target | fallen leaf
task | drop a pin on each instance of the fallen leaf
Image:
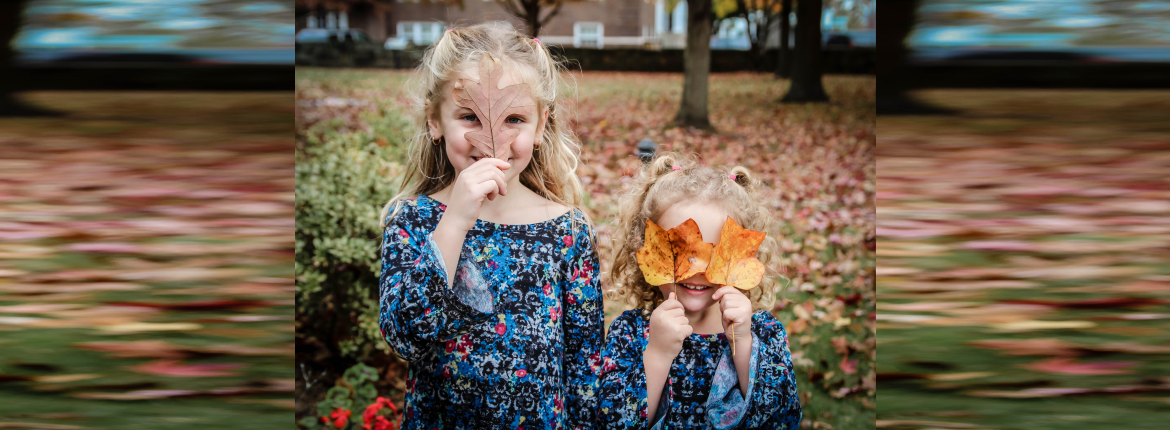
(142, 327)
(1068, 366)
(177, 368)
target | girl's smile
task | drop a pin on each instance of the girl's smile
(695, 292)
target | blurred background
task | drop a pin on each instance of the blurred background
(1023, 214)
(146, 217)
(801, 118)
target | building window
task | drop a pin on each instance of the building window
(420, 33)
(588, 35)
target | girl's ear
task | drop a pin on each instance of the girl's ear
(432, 125)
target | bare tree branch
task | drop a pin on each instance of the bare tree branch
(551, 14)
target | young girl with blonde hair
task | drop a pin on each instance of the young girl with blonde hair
(668, 363)
(489, 284)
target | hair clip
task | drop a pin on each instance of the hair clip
(731, 176)
(536, 40)
(675, 168)
(448, 31)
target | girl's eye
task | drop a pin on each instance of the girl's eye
(518, 120)
(469, 117)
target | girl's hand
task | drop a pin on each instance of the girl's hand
(668, 328)
(483, 179)
(737, 312)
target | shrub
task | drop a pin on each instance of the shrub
(343, 177)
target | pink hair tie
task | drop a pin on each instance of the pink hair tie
(731, 176)
(448, 31)
(535, 40)
(675, 168)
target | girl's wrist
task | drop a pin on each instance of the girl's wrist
(455, 222)
(654, 356)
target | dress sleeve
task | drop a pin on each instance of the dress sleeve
(418, 309)
(583, 329)
(623, 376)
(772, 401)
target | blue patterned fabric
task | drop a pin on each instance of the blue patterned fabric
(514, 343)
(702, 390)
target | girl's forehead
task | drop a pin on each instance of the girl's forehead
(511, 75)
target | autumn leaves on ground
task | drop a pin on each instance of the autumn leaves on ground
(816, 160)
(146, 262)
(1022, 257)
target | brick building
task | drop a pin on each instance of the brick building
(589, 23)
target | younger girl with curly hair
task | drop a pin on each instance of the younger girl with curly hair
(668, 362)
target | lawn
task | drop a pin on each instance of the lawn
(146, 262)
(1022, 249)
(816, 160)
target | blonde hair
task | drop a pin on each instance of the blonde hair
(656, 188)
(552, 171)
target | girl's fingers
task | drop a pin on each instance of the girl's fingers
(723, 291)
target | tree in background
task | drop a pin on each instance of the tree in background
(11, 12)
(696, 64)
(806, 71)
(529, 11)
(761, 17)
(784, 55)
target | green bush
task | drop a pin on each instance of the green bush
(343, 178)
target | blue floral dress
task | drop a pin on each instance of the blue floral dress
(702, 390)
(514, 343)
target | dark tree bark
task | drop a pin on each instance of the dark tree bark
(697, 66)
(893, 74)
(806, 72)
(10, 106)
(784, 55)
(529, 12)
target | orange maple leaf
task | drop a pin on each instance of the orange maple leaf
(656, 258)
(691, 253)
(734, 261)
(493, 105)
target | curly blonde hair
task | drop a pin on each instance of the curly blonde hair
(656, 188)
(551, 173)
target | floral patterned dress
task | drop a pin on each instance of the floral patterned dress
(514, 343)
(702, 390)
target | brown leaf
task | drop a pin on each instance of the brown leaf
(493, 105)
(177, 368)
(1068, 366)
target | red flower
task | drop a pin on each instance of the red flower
(568, 240)
(403, 233)
(547, 289)
(427, 312)
(447, 372)
(521, 373)
(572, 299)
(378, 422)
(554, 312)
(340, 417)
(501, 328)
(450, 345)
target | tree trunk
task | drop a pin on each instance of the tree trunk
(697, 66)
(784, 55)
(806, 73)
(533, 10)
(892, 71)
(10, 20)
